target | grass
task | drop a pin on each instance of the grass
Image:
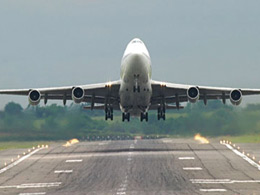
(21, 144)
(243, 138)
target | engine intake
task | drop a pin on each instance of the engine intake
(193, 94)
(34, 97)
(78, 94)
(235, 97)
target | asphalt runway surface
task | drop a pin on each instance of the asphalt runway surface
(137, 167)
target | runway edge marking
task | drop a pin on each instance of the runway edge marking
(250, 161)
(19, 160)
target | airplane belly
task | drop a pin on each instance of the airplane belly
(135, 102)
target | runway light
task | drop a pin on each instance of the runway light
(234, 145)
(230, 143)
(238, 147)
(201, 139)
(224, 141)
(42, 146)
(12, 160)
(244, 152)
(33, 148)
(18, 156)
(248, 154)
(253, 157)
(46, 146)
(6, 163)
(29, 150)
(24, 153)
(38, 146)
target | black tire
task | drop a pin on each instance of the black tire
(123, 117)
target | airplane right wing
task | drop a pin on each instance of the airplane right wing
(168, 93)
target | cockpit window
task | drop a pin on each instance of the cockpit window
(137, 41)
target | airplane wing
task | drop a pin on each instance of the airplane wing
(168, 93)
(101, 93)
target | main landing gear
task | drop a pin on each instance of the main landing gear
(144, 116)
(125, 116)
(161, 113)
(109, 113)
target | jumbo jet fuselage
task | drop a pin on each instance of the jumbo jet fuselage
(135, 89)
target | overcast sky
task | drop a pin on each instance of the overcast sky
(48, 43)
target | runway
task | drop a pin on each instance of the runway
(136, 167)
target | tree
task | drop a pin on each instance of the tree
(13, 108)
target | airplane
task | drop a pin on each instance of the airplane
(135, 93)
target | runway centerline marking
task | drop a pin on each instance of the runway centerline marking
(36, 193)
(186, 158)
(250, 161)
(19, 161)
(63, 171)
(74, 160)
(213, 190)
(192, 168)
(120, 193)
(221, 181)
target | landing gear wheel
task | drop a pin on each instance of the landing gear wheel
(144, 116)
(125, 116)
(161, 113)
(109, 113)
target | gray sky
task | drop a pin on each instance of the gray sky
(48, 43)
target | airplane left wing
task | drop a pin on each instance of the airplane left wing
(164, 93)
(103, 93)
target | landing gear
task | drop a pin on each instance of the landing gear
(136, 89)
(161, 113)
(144, 116)
(109, 113)
(125, 116)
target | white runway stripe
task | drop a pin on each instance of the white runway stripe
(250, 161)
(63, 171)
(74, 160)
(19, 160)
(192, 168)
(36, 193)
(33, 185)
(213, 190)
(222, 181)
(186, 158)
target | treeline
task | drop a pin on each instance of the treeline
(56, 122)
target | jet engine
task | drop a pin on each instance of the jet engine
(193, 94)
(235, 97)
(78, 94)
(34, 97)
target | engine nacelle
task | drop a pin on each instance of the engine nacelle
(235, 97)
(78, 94)
(34, 97)
(193, 94)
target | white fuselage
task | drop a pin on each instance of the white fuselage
(135, 90)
